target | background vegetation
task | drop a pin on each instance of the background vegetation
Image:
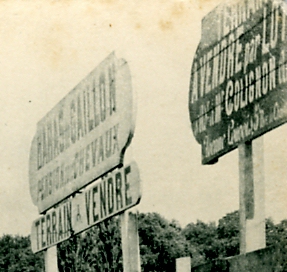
(161, 242)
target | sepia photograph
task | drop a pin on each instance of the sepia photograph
(143, 135)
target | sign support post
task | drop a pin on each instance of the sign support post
(51, 261)
(82, 140)
(251, 196)
(130, 242)
(237, 94)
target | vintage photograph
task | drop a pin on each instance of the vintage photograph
(143, 135)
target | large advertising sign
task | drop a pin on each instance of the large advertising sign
(238, 87)
(114, 193)
(84, 136)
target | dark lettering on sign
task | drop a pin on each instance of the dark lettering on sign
(87, 201)
(103, 199)
(43, 242)
(37, 224)
(95, 214)
(48, 228)
(84, 160)
(60, 230)
(93, 105)
(128, 198)
(53, 227)
(83, 137)
(119, 197)
(110, 195)
(239, 75)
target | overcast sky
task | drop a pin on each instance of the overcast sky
(47, 47)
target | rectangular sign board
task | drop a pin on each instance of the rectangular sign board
(84, 136)
(238, 87)
(110, 195)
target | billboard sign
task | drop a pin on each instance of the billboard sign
(84, 136)
(116, 192)
(238, 86)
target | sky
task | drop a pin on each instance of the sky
(48, 47)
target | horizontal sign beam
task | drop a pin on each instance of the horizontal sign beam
(113, 194)
(84, 136)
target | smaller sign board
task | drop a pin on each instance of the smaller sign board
(84, 136)
(110, 195)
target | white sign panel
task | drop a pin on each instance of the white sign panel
(114, 193)
(84, 136)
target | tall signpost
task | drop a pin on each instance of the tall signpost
(251, 196)
(77, 175)
(238, 92)
(130, 242)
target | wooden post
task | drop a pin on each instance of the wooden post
(130, 242)
(251, 196)
(51, 261)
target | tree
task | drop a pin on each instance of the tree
(16, 255)
(208, 241)
(161, 243)
(228, 234)
(97, 249)
(276, 236)
(203, 242)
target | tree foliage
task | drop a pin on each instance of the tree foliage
(97, 249)
(276, 235)
(228, 234)
(16, 255)
(208, 241)
(201, 237)
(161, 242)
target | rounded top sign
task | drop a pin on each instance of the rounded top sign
(84, 136)
(238, 86)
